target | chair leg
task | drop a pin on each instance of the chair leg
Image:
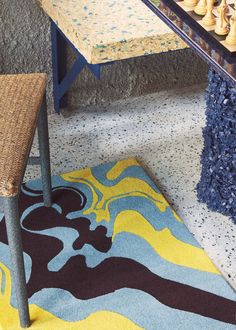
(12, 219)
(45, 154)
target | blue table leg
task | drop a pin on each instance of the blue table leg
(62, 79)
(58, 64)
(217, 186)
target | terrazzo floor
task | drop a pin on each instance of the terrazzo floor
(163, 131)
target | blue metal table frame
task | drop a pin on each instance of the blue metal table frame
(62, 79)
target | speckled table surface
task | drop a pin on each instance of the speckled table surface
(110, 30)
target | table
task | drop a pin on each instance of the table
(217, 186)
(98, 36)
(94, 30)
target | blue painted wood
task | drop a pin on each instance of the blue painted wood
(96, 70)
(77, 67)
(62, 80)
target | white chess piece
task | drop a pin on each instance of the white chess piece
(190, 3)
(231, 38)
(201, 8)
(222, 22)
(223, 3)
(209, 18)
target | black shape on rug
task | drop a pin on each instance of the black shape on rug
(112, 274)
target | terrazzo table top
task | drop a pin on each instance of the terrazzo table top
(110, 30)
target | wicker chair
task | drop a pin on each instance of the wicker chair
(22, 108)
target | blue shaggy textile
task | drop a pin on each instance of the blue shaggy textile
(217, 186)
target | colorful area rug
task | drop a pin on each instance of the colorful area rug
(112, 254)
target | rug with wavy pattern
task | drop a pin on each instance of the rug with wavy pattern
(112, 254)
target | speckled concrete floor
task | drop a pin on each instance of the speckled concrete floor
(164, 132)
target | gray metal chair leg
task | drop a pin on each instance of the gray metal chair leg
(45, 154)
(11, 212)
